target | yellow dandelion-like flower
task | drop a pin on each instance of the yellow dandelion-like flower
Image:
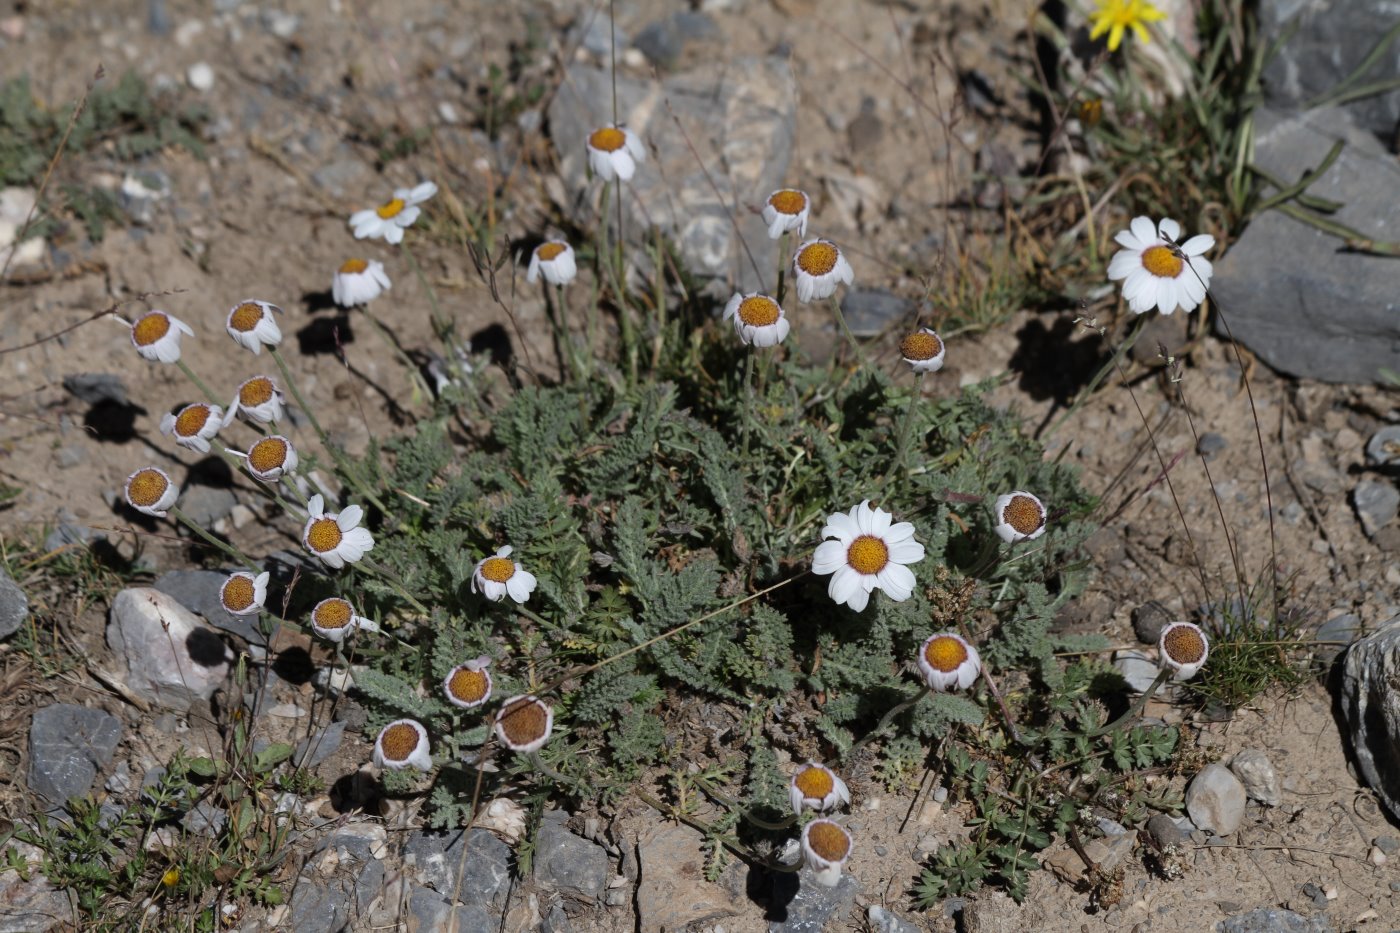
(170, 878)
(1116, 16)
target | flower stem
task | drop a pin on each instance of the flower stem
(414, 376)
(885, 721)
(441, 325)
(782, 266)
(846, 329)
(199, 383)
(233, 552)
(906, 431)
(629, 336)
(1137, 706)
(749, 403)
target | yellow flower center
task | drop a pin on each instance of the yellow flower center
(814, 783)
(1184, 645)
(788, 201)
(524, 721)
(150, 328)
(818, 258)
(332, 614)
(550, 251)
(269, 454)
(498, 569)
(391, 209)
(245, 317)
(256, 391)
(828, 840)
(1023, 514)
(945, 653)
(468, 685)
(759, 311)
(398, 741)
(608, 139)
(238, 593)
(171, 877)
(324, 535)
(868, 554)
(192, 420)
(353, 266)
(1162, 262)
(146, 487)
(920, 345)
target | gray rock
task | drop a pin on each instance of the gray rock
(1166, 831)
(671, 894)
(170, 656)
(198, 591)
(591, 34)
(120, 780)
(887, 921)
(93, 388)
(142, 192)
(338, 883)
(1331, 39)
(1334, 636)
(1383, 449)
(567, 863)
(344, 175)
(67, 746)
(869, 311)
(14, 606)
(280, 23)
(205, 505)
(428, 912)
(816, 907)
(1372, 706)
(664, 41)
(70, 534)
(1336, 320)
(435, 858)
(313, 750)
(1387, 844)
(1137, 669)
(740, 116)
(1376, 503)
(1211, 444)
(1215, 800)
(33, 904)
(205, 819)
(1148, 621)
(1274, 920)
(1258, 776)
(557, 921)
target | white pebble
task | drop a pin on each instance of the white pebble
(1331, 891)
(1376, 857)
(200, 76)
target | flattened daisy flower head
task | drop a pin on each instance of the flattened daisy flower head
(252, 324)
(149, 490)
(758, 319)
(948, 662)
(335, 538)
(553, 259)
(867, 552)
(259, 399)
(334, 619)
(390, 219)
(817, 787)
(1156, 272)
(1183, 649)
(194, 426)
(786, 209)
(923, 350)
(499, 576)
(270, 458)
(1020, 516)
(244, 594)
(524, 723)
(469, 685)
(615, 152)
(403, 743)
(818, 267)
(826, 847)
(358, 282)
(156, 336)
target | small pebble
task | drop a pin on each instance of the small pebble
(1387, 844)
(1331, 891)
(1376, 857)
(200, 76)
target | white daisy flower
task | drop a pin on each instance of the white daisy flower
(868, 552)
(335, 538)
(259, 399)
(615, 152)
(1184, 649)
(334, 619)
(403, 743)
(524, 723)
(786, 209)
(251, 323)
(494, 577)
(1156, 271)
(270, 458)
(194, 426)
(948, 662)
(1020, 517)
(244, 594)
(923, 350)
(826, 847)
(818, 266)
(358, 282)
(149, 490)
(817, 787)
(469, 684)
(553, 259)
(758, 320)
(156, 336)
(389, 220)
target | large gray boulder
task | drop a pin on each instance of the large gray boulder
(1290, 292)
(171, 657)
(1372, 705)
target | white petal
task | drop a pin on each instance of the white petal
(1169, 229)
(845, 583)
(1144, 229)
(1126, 240)
(829, 556)
(879, 522)
(907, 552)
(897, 580)
(842, 526)
(393, 234)
(359, 538)
(859, 599)
(349, 517)
(864, 518)
(316, 506)
(898, 532)
(422, 192)
(1122, 263)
